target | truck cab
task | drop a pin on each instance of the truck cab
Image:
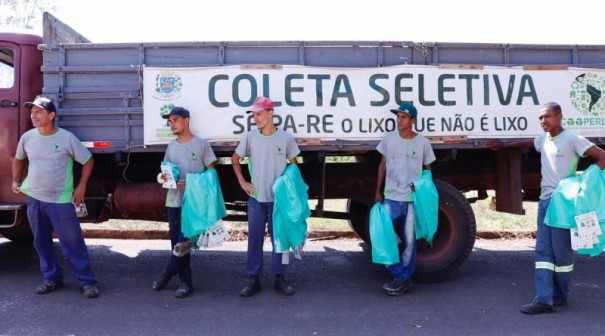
(20, 81)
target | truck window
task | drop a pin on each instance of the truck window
(7, 68)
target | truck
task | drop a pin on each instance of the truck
(334, 96)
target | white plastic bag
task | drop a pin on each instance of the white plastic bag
(214, 236)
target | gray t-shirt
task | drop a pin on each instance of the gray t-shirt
(51, 158)
(268, 157)
(190, 157)
(559, 157)
(405, 158)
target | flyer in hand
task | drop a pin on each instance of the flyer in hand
(586, 234)
(171, 175)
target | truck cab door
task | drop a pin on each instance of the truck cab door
(10, 54)
(9, 91)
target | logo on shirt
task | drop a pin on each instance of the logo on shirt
(56, 148)
(586, 94)
(552, 150)
(279, 151)
(194, 156)
(412, 154)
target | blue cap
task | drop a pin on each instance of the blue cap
(407, 108)
(42, 102)
(178, 111)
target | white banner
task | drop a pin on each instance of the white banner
(354, 103)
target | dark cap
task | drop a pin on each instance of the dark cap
(42, 102)
(407, 108)
(178, 111)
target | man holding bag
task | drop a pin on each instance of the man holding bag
(190, 154)
(405, 154)
(269, 150)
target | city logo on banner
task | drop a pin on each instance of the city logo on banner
(168, 85)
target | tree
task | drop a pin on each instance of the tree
(24, 14)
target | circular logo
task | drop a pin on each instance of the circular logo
(587, 94)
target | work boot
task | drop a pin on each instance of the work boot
(397, 287)
(251, 288)
(161, 281)
(537, 308)
(282, 286)
(90, 291)
(49, 286)
(184, 290)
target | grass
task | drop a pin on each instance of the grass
(487, 219)
(490, 220)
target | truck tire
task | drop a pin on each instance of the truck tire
(454, 240)
(20, 234)
(359, 226)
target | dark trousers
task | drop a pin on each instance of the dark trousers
(554, 260)
(44, 218)
(260, 216)
(177, 265)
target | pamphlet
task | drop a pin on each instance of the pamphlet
(81, 210)
(171, 174)
(586, 234)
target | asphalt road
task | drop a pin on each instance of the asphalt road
(338, 293)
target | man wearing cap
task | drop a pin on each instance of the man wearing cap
(48, 152)
(405, 154)
(269, 150)
(190, 154)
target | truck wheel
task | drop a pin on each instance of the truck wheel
(359, 226)
(454, 239)
(20, 234)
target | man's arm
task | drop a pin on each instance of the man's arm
(80, 191)
(494, 144)
(598, 154)
(382, 169)
(237, 169)
(18, 169)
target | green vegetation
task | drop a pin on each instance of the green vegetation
(487, 219)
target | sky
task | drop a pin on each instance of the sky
(484, 21)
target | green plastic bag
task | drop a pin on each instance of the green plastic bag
(290, 210)
(578, 195)
(426, 207)
(203, 203)
(383, 237)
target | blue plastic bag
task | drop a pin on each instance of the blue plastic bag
(426, 207)
(383, 237)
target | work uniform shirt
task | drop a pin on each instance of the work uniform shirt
(190, 157)
(50, 171)
(404, 158)
(559, 157)
(268, 157)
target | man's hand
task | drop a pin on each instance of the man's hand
(494, 144)
(248, 188)
(180, 183)
(16, 187)
(78, 197)
(378, 197)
